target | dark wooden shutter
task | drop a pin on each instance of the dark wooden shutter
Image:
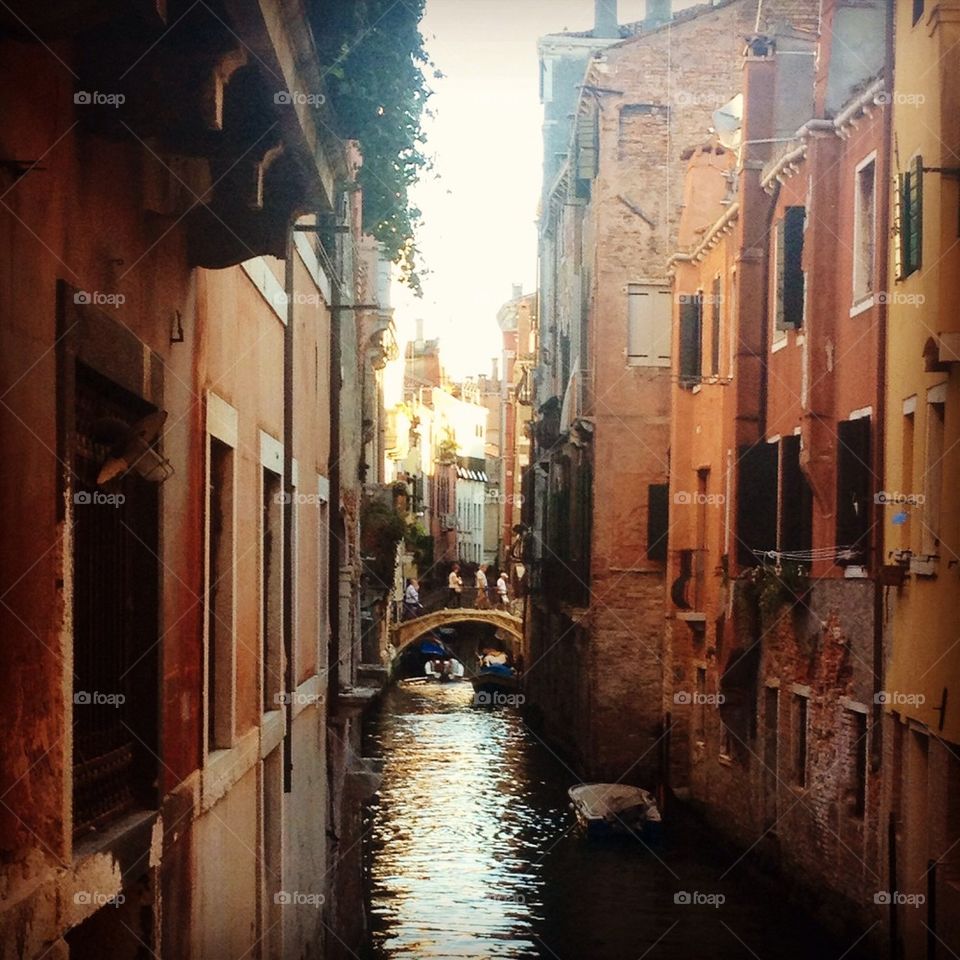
(853, 489)
(658, 520)
(790, 292)
(715, 328)
(916, 215)
(756, 501)
(691, 314)
(796, 500)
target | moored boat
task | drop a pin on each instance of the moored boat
(604, 809)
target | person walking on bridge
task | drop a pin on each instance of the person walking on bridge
(412, 606)
(454, 586)
(483, 598)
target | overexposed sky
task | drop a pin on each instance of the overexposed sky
(479, 235)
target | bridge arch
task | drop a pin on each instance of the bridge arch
(409, 631)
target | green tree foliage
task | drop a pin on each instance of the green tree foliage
(376, 78)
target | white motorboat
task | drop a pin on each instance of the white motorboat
(603, 809)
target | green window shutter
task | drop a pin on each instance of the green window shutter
(715, 328)
(790, 264)
(658, 520)
(691, 312)
(899, 251)
(916, 215)
(781, 233)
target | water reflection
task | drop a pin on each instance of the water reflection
(474, 853)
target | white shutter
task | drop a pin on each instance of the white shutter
(649, 318)
(662, 328)
(639, 327)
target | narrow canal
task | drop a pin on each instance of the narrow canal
(473, 852)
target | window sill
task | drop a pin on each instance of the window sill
(726, 760)
(224, 768)
(778, 345)
(861, 305)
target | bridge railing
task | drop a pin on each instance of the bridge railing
(470, 597)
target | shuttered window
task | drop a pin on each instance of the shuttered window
(790, 279)
(715, 298)
(691, 322)
(853, 491)
(756, 501)
(796, 500)
(908, 248)
(658, 520)
(648, 325)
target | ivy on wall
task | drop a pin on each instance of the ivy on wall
(376, 71)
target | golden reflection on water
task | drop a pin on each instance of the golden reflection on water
(455, 872)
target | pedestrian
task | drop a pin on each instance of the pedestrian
(483, 598)
(411, 600)
(454, 586)
(503, 591)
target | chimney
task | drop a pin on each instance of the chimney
(494, 372)
(517, 291)
(658, 12)
(419, 329)
(605, 24)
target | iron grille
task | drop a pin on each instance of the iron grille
(115, 620)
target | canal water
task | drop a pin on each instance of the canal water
(472, 851)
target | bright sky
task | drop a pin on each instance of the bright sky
(479, 236)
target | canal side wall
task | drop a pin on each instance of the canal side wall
(783, 788)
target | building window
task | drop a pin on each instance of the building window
(271, 589)
(906, 460)
(115, 615)
(917, 10)
(789, 297)
(648, 326)
(757, 490)
(219, 596)
(699, 707)
(854, 473)
(800, 739)
(933, 469)
(715, 300)
(691, 338)
(658, 520)
(855, 724)
(908, 248)
(864, 232)
(795, 534)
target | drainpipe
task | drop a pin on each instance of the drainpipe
(883, 276)
(333, 560)
(288, 507)
(765, 325)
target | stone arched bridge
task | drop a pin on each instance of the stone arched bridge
(407, 631)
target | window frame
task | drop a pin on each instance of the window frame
(864, 292)
(220, 664)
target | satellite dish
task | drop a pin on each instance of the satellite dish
(131, 448)
(728, 122)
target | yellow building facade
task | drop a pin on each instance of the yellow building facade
(921, 493)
